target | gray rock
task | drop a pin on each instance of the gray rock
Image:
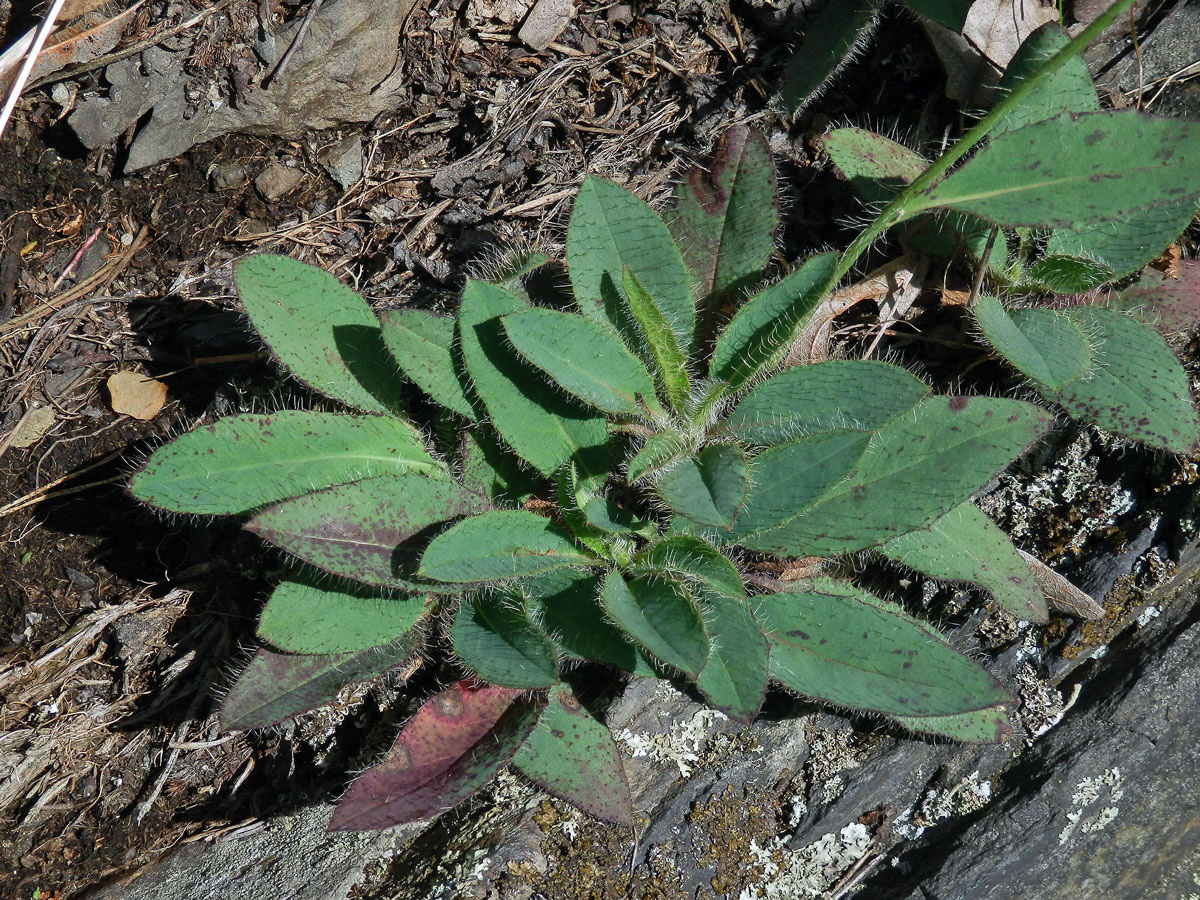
(276, 181)
(227, 176)
(344, 72)
(344, 161)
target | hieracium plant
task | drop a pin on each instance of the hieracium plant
(623, 481)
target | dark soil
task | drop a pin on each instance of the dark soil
(117, 624)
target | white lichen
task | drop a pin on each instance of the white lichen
(1090, 792)
(683, 745)
(809, 871)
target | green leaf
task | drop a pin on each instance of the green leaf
(572, 756)
(829, 43)
(303, 617)
(659, 616)
(503, 543)
(950, 13)
(610, 230)
(607, 516)
(693, 560)
(244, 462)
(669, 360)
(543, 427)
(842, 645)
(277, 686)
(724, 216)
(1069, 274)
(1070, 88)
(570, 500)
(321, 331)
(1042, 344)
(965, 545)
(1129, 243)
(791, 477)
(764, 328)
(488, 468)
(655, 454)
(914, 469)
(357, 530)
(494, 638)
(566, 605)
(584, 357)
(734, 677)
(709, 488)
(876, 167)
(423, 346)
(825, 396)
(981, 726)
(1137, 388)
(1074, 170)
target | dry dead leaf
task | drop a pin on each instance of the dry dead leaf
(134, 394)
(1060, 593)
(32, 427)
(997, 27)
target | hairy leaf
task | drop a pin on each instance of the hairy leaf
(610, 230)
(950, 13)
(693, 560)
(724, 215)
(1137, 389)
(277, 686)
(573, 756)
(1069, 274)
(451, 748)
(423, 347)
(839, 644)
(1043, 344)
(543, 427)
(499, 544)
(495, 639)
(607, 516)
(829, 42)
(356, 530)
(965, 545)
(660, 617)
(825, 396)
(302, 616)
(981, 726)
(914, 469)
(670, 362)
(1074, 170)
(764, 328)
(323, 332)
(708, 488)
(244, 462)
(567, 606)
(1070, 88)
(659, 450)
(1127, 244)
(734, 677)
(586, 358)
(488, 468)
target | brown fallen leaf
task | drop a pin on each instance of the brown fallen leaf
(134, 394)
(32, 427)
(1060, 593)
(997, 27)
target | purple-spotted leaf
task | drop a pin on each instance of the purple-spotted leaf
(355, 530)
(451, 748)
(843, 645)
(572, 756)
(277, 686)
(1074, 170)
(503, 543)
(725, 214)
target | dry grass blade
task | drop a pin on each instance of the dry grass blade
(35, 49)
(1060, 593)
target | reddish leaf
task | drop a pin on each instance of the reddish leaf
(1172, 305)
(450, 749)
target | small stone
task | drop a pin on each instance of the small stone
(546, 21)
(343, 161)
(227, 176)
(277, 180)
